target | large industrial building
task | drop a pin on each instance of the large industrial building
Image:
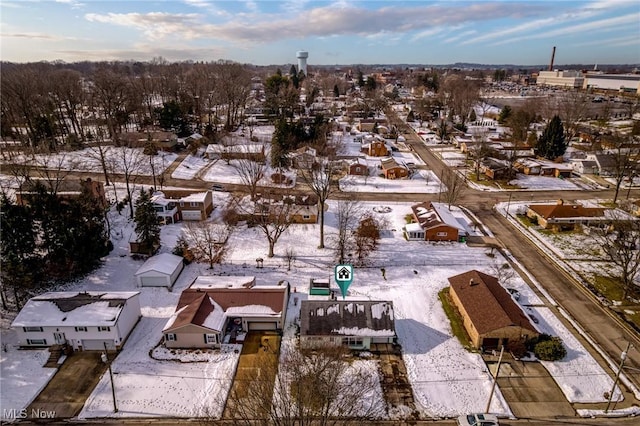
(629, 83)
(570, 78)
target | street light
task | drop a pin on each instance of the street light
(105, 359)
(623, 357)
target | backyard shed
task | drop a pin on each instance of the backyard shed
(160, 271)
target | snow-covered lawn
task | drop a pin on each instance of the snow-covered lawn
(578, 375)
(22, 375)
(542, 183)
(150, 388)
(423, 181)
(117, 159)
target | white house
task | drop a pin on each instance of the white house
(161, 270)
(84, 320)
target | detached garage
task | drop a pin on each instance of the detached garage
(160, 271)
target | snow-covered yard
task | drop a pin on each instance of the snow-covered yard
(447, 379)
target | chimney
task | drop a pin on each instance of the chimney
(553, 55)
(472, 282)
(560, 201)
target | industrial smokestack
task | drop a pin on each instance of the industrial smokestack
(553, 55)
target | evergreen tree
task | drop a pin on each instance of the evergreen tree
(360, 79)
(472, 116)
(336, 91)
(18, 250)
(505, 113)
(147, 227)
(551, 144)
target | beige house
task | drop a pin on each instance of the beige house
(490, 315)
(566, 217)
(216, 310)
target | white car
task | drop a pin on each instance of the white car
(478, 420)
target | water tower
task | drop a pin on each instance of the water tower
(302, 61)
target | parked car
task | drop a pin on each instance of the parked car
(514, 293)
(217, 187)
(478, 420)
(533, 318)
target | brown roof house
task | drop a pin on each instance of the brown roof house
(217, 310)
(375, 148)
(490, 315)
(433, 222)
(355, 324)
(359, 167)
(566, 217)
(392, 170)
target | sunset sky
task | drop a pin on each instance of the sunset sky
(340, 32)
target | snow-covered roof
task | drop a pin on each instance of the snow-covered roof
(413, 227)
(226, 281)
(73, 309)
(430, 214)
(198, 197)
(165, 263)
(346, 318)
(210, 307)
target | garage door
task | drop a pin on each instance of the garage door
(154, 281)
(97, 345)
(191, 215)
(263, 325)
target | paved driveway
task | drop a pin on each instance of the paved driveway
(67, 391)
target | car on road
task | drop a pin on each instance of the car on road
(217, 187)
(478, 419)
(533, 318)
(514, 293)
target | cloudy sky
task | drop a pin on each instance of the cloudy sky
(333, 32)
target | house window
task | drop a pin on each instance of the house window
(104, 328)
(28, 329)
(306, 217)
(170, 337)
(211, 338)
(193, 204)
(441, 234)
(352, 341)
(36, 341)
(81, 328)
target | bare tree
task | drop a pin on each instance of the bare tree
(290, 256)
(306, 388)
(100, 152)
(572, 107)
(207, 241)
(481, 149)
(321, 182)
(233, 88)
(128, 162)
(250, 173)
(454, 186)
(53, 170)
(624, 152)
(272, 214)
(619, 243)
(347, 215)
(366, 237)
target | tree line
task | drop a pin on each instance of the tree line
(49, 239)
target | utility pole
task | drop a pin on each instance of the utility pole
(495, 381)
(508, 205)
(623, 357)
(105, 359)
